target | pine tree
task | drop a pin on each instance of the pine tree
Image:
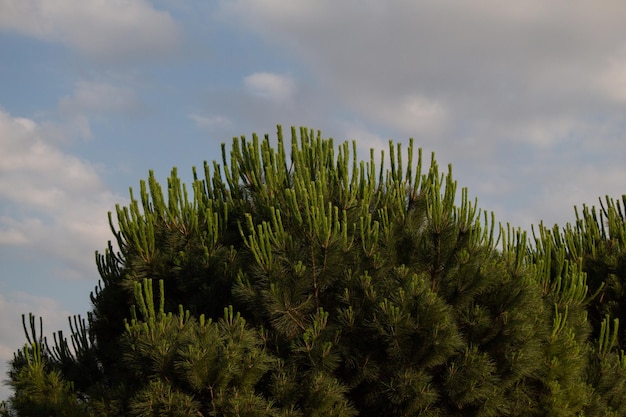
(315, 284)
(40, 387)
(595, 248)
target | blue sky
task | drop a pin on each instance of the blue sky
(526, 100)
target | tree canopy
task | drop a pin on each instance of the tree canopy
(307, 282)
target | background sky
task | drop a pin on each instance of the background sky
(526, 100)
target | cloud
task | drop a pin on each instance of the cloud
(98, 97)
(612, 80)
(102, 29)
(471, 61)
(501, 91)
(275, 87)
(574, 186)
(12, 306)
(11, 235)
(54, 208)
(211, 122)
(89, 101)
(54, 203)
(365, 141)
(412, 114)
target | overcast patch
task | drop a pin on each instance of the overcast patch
(108, 30)
(495, 89)
(418, 65)
(612, 80)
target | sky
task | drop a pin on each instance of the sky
(526, 100)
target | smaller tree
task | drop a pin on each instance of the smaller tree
(40, 388)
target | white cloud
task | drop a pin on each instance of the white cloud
(275, 87)
(210, 122)
(58, 201)
(104, 29)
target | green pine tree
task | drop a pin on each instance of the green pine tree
(594, 248)
(310, 283)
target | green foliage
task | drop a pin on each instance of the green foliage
(585, 268)
(41, 391)
(183, 366)
(315, 284)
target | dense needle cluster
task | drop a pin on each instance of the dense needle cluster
(311, 283)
